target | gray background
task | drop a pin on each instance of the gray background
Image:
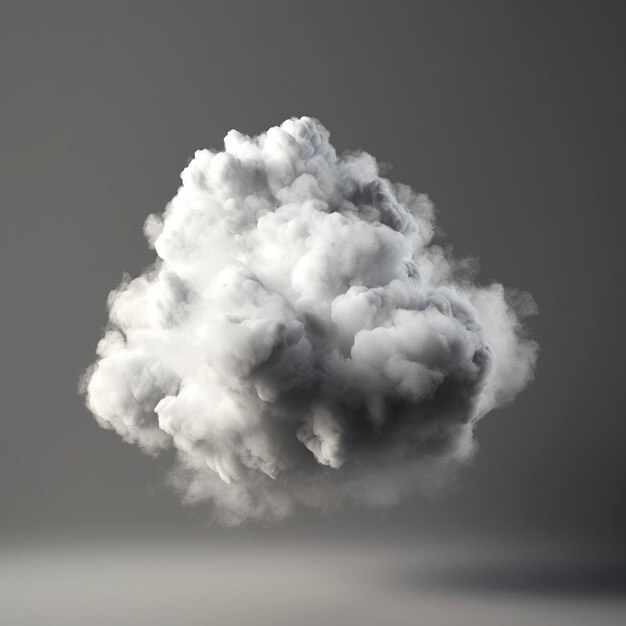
(510, 115)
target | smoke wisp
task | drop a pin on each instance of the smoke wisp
(300, 339)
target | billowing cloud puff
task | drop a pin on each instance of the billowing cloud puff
(299, 339)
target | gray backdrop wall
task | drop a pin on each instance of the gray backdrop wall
(509, 115)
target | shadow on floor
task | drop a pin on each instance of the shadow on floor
(585, 579)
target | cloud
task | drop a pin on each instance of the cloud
(300, 340)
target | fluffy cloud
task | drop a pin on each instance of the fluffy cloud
(299, 339)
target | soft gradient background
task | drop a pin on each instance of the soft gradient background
(510, 115)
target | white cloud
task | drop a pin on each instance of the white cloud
(298, 340)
